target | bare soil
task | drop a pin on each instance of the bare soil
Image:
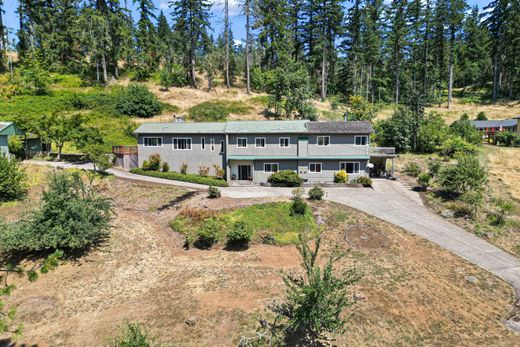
(411, 292)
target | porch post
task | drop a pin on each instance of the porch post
(226, 161)
(393, 166)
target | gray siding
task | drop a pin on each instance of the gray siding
(272, 145)
(261, 176)
(339, 145)
(4, 145)
(194, 158)
(329, 169)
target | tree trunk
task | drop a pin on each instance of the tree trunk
(450, 73)
(226, 39)
(248, 38)
(97, 70)
(323, 77)
(104, 66)
(60, 148)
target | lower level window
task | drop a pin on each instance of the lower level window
(350, 167)
(271, 167)
(315, 167)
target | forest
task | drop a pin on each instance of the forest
(386, 52)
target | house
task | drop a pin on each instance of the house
(488, 128)
(7, 129)
(253, 150)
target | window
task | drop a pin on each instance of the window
(202, 143)
(323, 140)
(152, 141)
(242, 142)
(315, 167)
(361, 140)
(285, 142)
(350, 167)
(182, 143)
(222, 148)
(260, 142)
(271, 167)
(212, 144)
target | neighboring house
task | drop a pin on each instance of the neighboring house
(253, 150)
(488, 128)
(7, 129)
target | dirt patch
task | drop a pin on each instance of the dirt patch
(367, 238)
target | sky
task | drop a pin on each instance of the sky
(216, 18)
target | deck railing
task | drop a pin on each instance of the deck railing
(124, 150)
(382, 150)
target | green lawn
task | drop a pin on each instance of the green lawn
(270, 221)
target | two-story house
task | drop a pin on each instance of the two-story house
(253, 150)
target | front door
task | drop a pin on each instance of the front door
(244, 172)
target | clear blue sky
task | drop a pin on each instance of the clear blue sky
(237, 21)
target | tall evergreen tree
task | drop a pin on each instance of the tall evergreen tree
(397, 42)
(146, 36)
(456, 10)
(3, 40)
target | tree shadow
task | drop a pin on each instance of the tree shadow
(10, 343)
(236, 247)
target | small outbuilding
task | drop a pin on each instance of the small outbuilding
(8, 129)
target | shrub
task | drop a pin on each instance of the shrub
(16, 146)
(219, 172)
(423, 180)
(153, 163)
(184, 168)
(503, 209)
(341, 177)
(432, 133)
(71, 217)
(507, 138)
(434, 167)
(316, 193)
(467, 175)
(464, 129)
(286, 177)
(132, 335)
(208, 181)
(207, 235)
(12, 179)
(474, 200)
(298, 207)
(396, 131)
(456, 144)
(241, 234)
(412, 168)
(217, 110)
(204, 171)
(165, 167)
(137, 101)
(213, 193)
(482, 116)
(365, 181)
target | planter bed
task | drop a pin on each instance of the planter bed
(175, 176)
(323, 185)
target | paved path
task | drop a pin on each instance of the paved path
(389, 201)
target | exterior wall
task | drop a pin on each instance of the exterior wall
(339, 145)
(4, 145)
(329, 169)
(272, 145)
(261, 176)
(194, 158)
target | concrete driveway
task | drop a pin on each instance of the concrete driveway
(389, 201)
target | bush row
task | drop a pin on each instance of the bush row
(182, 177)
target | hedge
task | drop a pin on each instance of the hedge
(208, 181)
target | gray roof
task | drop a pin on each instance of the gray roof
(258, 127)
(481, 124)
(4, 124)
(349, 127)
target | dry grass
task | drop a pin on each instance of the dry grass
(504, 170)
(415, 293)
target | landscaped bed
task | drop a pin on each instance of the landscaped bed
(271, 223)
(175, 176)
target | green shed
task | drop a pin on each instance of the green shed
(8, 129)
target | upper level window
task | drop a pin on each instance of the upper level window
(182, 143)
(260, 142)
(222, 148)
(315, 167)
(212, 145)
(285, 142)
(350, 167)
(202, 143)
(323, 140)
(361, 140)
(271, 167)
(242, 142)
(152, 142)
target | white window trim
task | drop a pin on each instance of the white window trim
(318, 142)
(153, 137)
(288, 142)
(203, 143)
(355, 140)
(241, 138)
(317, 163)
(351, 162)
(182, 138)
(212, 145)
(260, 138)
(277, 167)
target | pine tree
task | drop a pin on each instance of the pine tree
(248, 13)
(456, 10)
(272, 22)
(191, 25)
(397, 42)
(164, 35)
(352, 48)
(3, 41)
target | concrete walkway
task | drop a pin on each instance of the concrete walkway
(389, 201)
